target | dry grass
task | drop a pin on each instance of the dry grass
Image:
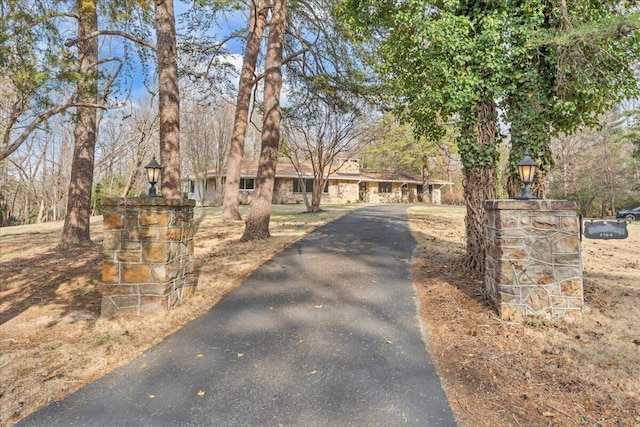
(540, 373)
(52, 340)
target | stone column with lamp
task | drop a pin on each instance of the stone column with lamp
(533, 263)
(148, 261)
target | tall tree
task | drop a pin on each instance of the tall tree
(442, 59)
(168, 97)
(76, 225)
(257, 24)
(257, 224)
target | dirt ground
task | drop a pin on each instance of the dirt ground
(539, 373)
(52, 340)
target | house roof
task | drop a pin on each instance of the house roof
(249, 169)
(397, 176)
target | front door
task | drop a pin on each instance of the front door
(362, 192)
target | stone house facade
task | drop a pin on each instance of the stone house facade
(347, 183)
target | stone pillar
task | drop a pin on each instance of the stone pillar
(533, 262)
(148, 261)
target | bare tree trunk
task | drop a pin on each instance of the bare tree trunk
(137, 165)
(76, 224)
(203, 192)
(219, 190)
(257, 23)
(317, 195)
(41, 212)
(318, 172)
(305, 196)
(142, 147)
(257, 224)
(168, 98)
(4, 206)
(425, 181)
(565, 181)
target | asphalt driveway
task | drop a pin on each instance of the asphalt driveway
(324, 334)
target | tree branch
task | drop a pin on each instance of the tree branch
(73, 42)
(16, 110)
(286, 60)
(107, 86)
(11, 148)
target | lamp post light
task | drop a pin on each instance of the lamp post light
(153, 175)
(526, 169)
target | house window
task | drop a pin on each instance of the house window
(247, 183)
(308, 186)
(384, 187)
(192, 187)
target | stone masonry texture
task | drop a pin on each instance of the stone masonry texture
(533, 261)
(148, 261)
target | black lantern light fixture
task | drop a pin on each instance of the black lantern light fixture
(153, 175)
(527, 169)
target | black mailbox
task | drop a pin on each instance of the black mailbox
(605, 230)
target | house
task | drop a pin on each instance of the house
(348, 183)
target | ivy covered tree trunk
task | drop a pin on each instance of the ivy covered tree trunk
(529, 102)
(257, 224)
(76, 224)
(533, 137)
(257, 24)
(479, 155)
(168, 98)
